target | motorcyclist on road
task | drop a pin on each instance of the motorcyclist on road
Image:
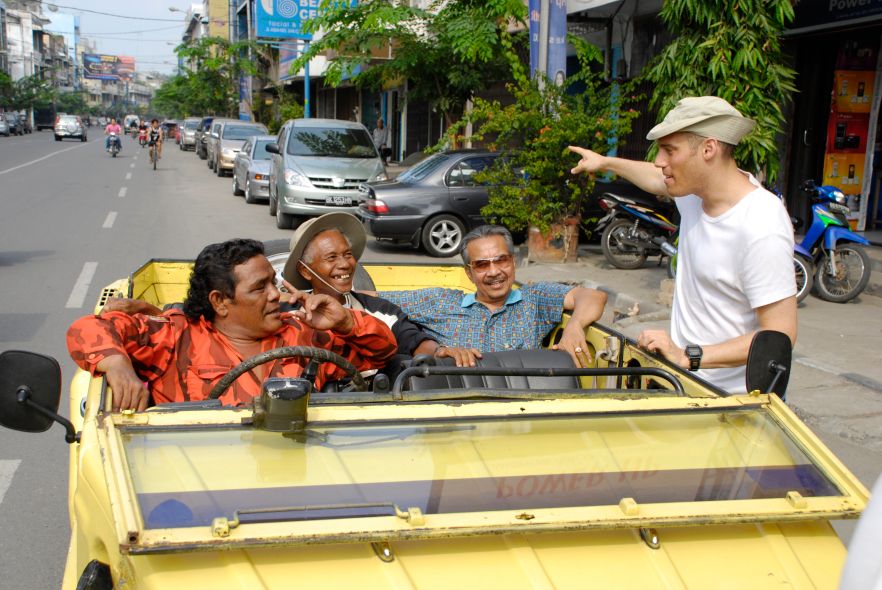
(142, 133)
(112, 127)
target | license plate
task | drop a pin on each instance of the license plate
(337, 200)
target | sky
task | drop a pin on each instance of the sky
(150, 42)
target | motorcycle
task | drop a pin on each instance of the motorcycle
(142, 137)
(841, 267)
(634, 230)
(114, 144)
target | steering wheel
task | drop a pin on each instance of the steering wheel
(309, 352)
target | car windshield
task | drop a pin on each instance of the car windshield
(260, 152)
(191, 124)
(242, 131)
(332, 142)
(466, 465)
(67, 120)
(423, 169)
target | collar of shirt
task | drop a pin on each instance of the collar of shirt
(513, 297)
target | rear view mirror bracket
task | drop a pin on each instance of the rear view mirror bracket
(23, 396)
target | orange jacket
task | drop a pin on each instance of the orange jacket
(181, 360)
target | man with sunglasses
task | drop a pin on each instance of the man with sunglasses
(498, 317)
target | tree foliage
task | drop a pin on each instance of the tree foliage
(72, 102)
(211, 84)
(446, 52)
(738, 44)
(532, 185)
(25, 93)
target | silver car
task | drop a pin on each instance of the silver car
(4, 127)
(212, 138)
(251, 169)
(231, 137)
(188, 133)
(69, 126)
(318, 165)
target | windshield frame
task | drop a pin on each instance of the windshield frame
(361, 146)
(136, 539)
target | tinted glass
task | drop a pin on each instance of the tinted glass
(468, 465)
(260, 152)
(425, 168)
(242, 131)
(331, 142)
(191, 124)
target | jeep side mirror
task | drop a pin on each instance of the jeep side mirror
(768, 362)
(272, 147)
(30, 392)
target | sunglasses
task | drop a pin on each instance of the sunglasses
(484, 263)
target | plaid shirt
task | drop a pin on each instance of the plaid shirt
(182, 360)
(459, 320)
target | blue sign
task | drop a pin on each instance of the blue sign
(535, 17)
(556, 68)
(283, 19)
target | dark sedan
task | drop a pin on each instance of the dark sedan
(432, 205)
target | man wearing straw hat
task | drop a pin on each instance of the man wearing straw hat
(324, 253)
(735, 261)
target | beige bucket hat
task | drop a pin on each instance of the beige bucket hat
(707, 116)
(346, 223)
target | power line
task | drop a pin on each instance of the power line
(165, 20)
(132, 32)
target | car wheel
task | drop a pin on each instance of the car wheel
(442, 235)
(273, 205)
(57, 138)
(218, 170)
(284, 220)
(83, 139)
(249, 198)
(236, 190)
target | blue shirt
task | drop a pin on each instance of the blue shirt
(455, 319)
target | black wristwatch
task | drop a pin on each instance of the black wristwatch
(693, 353)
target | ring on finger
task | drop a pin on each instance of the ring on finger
(578, 349)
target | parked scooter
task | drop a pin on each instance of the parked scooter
(841, 267)
(634, 230)
(114, 144)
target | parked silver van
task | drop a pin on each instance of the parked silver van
(317, 167)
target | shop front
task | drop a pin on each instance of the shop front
(835, 135)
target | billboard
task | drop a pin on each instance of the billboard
(282, 19)
(108, 67)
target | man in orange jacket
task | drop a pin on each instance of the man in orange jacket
(231, 313)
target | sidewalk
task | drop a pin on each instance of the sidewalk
(836, 382)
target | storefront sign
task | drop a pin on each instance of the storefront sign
(283, 19)
(816, 15)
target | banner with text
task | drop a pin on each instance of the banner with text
(283, 19)
(108, 67)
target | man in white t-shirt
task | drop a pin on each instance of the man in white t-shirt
(735, 263)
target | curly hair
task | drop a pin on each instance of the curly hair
(213, 270)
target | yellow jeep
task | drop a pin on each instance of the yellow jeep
(633, 473)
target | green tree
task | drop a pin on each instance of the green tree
(738, 44)
(31, 91)
(211, 84)
(72, 102)
(532, 185)
(446, 52)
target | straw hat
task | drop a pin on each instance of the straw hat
(346, 223)
(707, 116)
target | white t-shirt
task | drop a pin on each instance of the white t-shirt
(728, 266)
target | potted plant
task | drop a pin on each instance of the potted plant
(531, 188)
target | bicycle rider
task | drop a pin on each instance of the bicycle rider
(154, 138)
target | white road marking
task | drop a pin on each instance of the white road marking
(108, 223)
(14, 168)
(132, 165)
(122, 191)
(7, 470)
(128, 175)
(81, 286)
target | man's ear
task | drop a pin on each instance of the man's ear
(219, 303)
(304, 272)
(710, 148)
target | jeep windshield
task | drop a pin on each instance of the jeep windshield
(331, 142)
(371, 471)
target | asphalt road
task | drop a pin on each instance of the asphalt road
(73, 220)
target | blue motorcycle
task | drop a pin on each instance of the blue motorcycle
(841, 267)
